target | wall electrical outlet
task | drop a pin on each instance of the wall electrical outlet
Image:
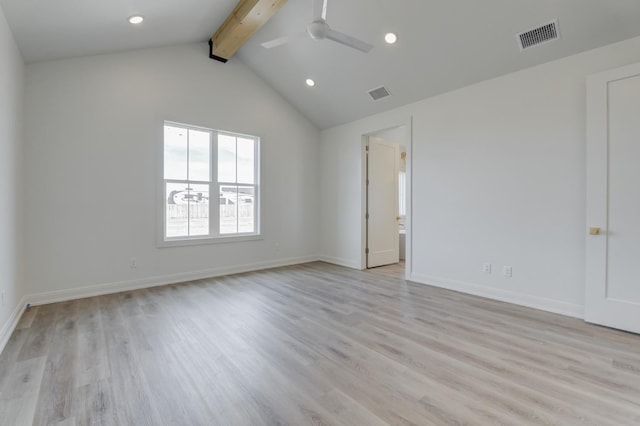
(507, 271)
(486, 268)
(133, 262)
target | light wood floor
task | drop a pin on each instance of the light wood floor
(313, 344)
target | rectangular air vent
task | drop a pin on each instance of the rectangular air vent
(537, 36)
(379, 93)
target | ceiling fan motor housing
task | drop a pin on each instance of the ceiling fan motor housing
(318, 30)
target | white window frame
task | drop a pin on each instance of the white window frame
(214, 236)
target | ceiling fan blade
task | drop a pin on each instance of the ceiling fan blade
(276, 42)
(347, 40)
(319, 10)
(282, 40)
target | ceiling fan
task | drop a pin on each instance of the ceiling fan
(318, 29)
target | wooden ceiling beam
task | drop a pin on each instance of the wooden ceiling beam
(247, 18)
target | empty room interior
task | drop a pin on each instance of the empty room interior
(427, 212)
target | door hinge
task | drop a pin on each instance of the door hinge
(366, 216)
(366, 251)
(367, 148)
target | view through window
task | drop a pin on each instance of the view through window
(199, 163)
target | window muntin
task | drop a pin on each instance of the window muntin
(198, 163)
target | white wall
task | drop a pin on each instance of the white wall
(91, 175)
(11, 113)
(498, 176)
(343, 197)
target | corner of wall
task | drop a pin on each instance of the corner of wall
(12, 322)
(12, 71)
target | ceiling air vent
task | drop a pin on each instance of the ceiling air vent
(537, 36)
(379, 93)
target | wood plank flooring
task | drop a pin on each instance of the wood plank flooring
(313, 344)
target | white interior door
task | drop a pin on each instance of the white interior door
(613, 199)
(383, 239)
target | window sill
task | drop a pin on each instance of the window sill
(209, 240)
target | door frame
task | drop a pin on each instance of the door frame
(408, 125)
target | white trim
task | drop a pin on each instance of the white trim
(364, 141)
(194, 241)
(347, 263)
(157, 281)
(9, 327)
(408, 220)
(536, 302)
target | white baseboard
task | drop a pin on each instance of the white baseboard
(12, 323)
(117, 287)
(549, 305)
(536, 302)
(340, 262)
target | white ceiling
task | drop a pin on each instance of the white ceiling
(443, 44)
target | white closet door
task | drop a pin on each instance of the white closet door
(613, 199)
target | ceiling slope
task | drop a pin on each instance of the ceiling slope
(442, 45)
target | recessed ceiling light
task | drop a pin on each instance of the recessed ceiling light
(136, 19)
(390, 38)
(310, 82)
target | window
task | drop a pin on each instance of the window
(199, 163)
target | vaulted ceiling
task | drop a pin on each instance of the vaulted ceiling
(443, 44)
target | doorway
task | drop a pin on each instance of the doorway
(385, 196)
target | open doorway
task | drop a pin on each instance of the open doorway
(385, 196)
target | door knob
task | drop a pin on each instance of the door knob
(594, 230)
